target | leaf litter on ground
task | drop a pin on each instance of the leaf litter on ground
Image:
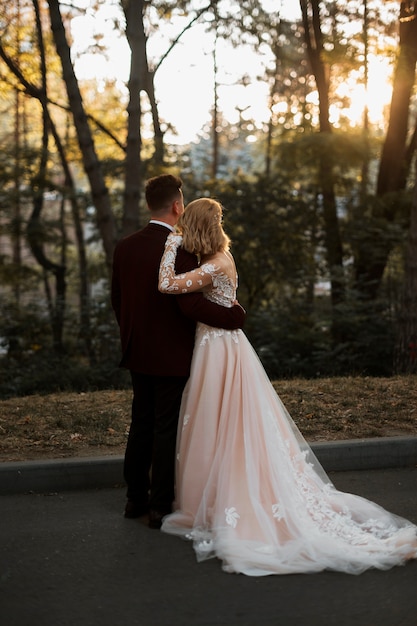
(97, 423)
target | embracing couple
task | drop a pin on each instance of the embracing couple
(212, 454)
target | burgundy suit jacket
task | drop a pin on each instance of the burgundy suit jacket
(157, 330)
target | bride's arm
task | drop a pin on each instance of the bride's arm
(195, 280)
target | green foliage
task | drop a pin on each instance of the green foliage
(45, 372)
(29, 364)
(294, 341)
(288, 340)
(24, 329)
(270, 228)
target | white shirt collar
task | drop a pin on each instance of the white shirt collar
(171, 228)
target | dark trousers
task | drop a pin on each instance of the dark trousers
(152, 440)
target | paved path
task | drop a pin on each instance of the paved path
(71, 559)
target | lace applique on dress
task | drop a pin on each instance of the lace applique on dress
(221, 288)
(209, 332)
(322, 504)
(277, 512)
(232, 516)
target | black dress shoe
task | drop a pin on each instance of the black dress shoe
(155, 519)
(135, 509)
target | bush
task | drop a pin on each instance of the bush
(44, 373)
(292, 342)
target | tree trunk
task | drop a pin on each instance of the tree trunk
(215, 158)
(273, 91)
(16, 207)
(392, 164)
(314, 44)
(395, 158)
(159, 154)
(366, 159)
(84, 295)
(405, 358)
(35, 241)
(34, 227)
(100, 195)
(136, 38)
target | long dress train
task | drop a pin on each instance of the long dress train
(249, 489)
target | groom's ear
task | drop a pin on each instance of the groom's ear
(177, 208)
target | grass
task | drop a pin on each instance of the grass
(97, 423)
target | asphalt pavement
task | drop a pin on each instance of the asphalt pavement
(69, 558)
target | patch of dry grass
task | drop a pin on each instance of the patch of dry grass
(352, 408)
(97, 423)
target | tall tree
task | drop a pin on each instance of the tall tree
(17, 212)
(396, 154)
(34, 227)
(406, 348)
(40, 182)
(99, 191)
(138, 80)
(310, 10)
(366, 159)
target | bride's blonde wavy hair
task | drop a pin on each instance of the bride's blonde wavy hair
(201, 227)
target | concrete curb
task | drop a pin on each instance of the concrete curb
(107, 471)
(366, 454)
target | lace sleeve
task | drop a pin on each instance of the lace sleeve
(169, 282)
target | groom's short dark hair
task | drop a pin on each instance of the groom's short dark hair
(161, 191)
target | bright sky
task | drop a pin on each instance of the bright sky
(184, 82)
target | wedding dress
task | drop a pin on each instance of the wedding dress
(249, 489)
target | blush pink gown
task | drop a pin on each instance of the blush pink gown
(249, 489)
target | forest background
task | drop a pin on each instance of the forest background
(321, 206)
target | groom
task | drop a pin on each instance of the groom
(157, 339)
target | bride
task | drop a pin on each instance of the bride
(249, 489)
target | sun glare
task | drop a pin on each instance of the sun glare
(351, 96)
(376, 97)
